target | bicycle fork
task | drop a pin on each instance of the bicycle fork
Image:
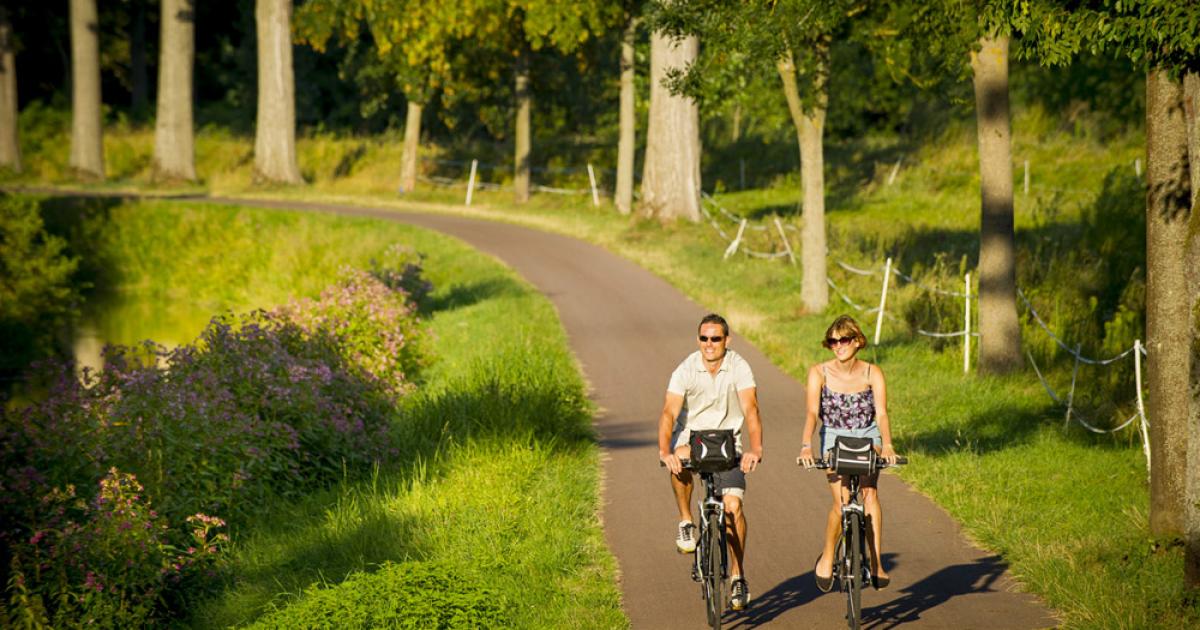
(854, 517)
(709, 506)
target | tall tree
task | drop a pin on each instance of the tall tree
(514, 33)
(671, 165)
(627, 116)
(275, 126)
(412, 51)
(970, 39)
(87, 146)
(174, 152)
(1163, 37)
(999, 327)
(791, 39)
(139, 85)
(10, 148)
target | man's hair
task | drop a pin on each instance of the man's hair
(713, 318)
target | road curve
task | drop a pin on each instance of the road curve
(629, 329)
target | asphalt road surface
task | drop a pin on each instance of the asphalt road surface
(629, 329)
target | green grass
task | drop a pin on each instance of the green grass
(1067, 509)
(496, 484)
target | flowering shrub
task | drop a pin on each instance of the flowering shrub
(265, 404)
(400, 269)
(372, 325)
(105, 562)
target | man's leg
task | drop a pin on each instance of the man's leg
(735, 529)
(733, 491)
(681, 485)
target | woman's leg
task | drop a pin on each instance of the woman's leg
(874, 512)
(833, 527)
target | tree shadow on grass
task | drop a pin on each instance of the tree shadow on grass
(467, 294)
(992, 429)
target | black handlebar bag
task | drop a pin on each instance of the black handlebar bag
(713, 450)
(852, 456)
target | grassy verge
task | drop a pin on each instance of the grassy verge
(499, 481)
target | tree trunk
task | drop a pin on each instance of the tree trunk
(671, 173)
(1168, 321)
(87, 145)
(810, 128)
(10, 148)
(628, 121)
(1189, 343)
(412, 141)
(275, 127)
(522, 144)
(174, 145)
(137, 62)
(999, 329)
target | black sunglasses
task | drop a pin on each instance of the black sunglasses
(714, 338)
(837, 341)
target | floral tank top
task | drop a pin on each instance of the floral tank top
(847, 411)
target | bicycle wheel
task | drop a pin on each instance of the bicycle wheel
(854, 550)
(714, 583)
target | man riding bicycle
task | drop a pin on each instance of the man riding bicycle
(713, 388)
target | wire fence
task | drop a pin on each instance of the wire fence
(886, 272)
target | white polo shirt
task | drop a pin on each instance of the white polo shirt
(710, 401)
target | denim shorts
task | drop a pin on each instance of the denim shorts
(829, 434)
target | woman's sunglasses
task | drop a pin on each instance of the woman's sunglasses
(837, 341)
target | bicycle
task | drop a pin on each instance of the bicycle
(711, 566)
(851, 570)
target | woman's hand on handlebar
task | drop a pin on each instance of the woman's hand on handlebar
(888, 453)
(671, 462)
(806, 457)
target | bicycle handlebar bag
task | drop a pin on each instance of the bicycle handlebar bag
(853, 456)
(713, 450)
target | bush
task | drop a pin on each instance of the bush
(407, 595)
(37, 298)
(372, 323)
(104, 562)
(266, 404)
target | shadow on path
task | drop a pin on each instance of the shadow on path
(792, 593)
(933, 591)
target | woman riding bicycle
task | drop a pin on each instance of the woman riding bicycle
(848, 397)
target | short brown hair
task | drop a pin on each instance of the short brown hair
(713, 318)
(845, 326)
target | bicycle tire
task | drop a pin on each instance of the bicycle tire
(715, 583)
(854, 595)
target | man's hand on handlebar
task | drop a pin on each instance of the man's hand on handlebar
(750, 461)
(671, 462)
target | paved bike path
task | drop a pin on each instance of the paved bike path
(629, 329)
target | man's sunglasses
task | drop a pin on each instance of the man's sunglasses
(714, 338)
(837, 341)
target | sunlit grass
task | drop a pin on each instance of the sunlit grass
(496, 479)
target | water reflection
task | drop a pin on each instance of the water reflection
(128, 318)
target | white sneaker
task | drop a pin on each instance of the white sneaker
(739, 594)
(685, 541)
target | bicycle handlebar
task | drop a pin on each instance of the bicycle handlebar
(687, 464)
(880, 463)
